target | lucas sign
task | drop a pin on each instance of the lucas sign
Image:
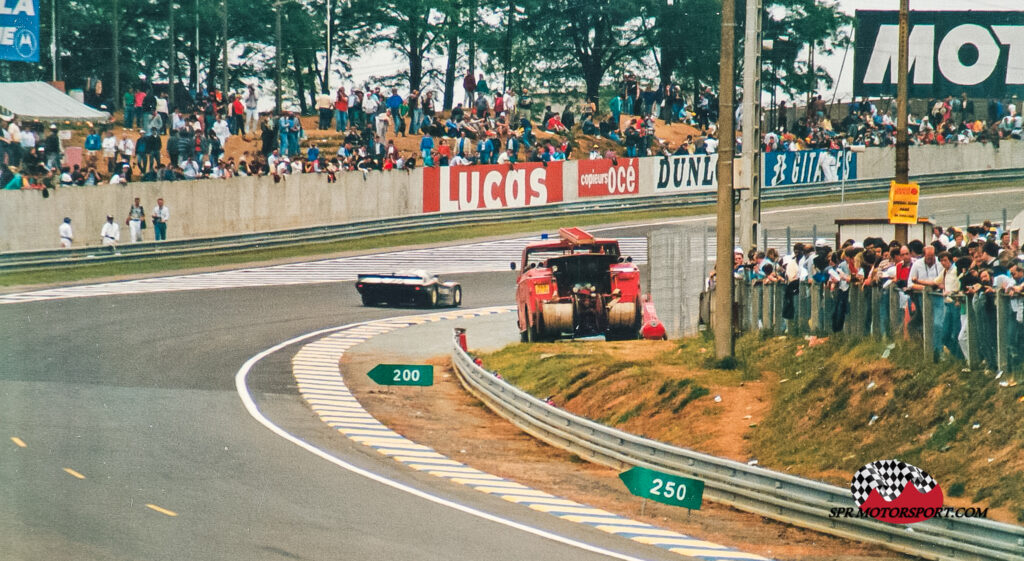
(460, 188)
(19, 30)
(949, 53)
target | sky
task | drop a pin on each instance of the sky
(383, 62)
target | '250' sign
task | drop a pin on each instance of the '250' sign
(452, 189)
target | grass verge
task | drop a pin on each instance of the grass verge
(818, 410)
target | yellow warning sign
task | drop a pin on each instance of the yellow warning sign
(903, 199)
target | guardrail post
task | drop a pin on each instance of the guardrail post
(895, 312)
(815, 324)
(756, 305)
(767, 297)
(875, 320)
(973, 349)
(928, 326)
(776, 307)
(799, 305)
(743, 299)
(1003, 317)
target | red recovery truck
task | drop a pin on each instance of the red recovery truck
(579, 286)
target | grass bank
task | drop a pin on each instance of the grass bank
(818, 409)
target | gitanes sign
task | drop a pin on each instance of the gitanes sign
(949, 53)
(458, 188)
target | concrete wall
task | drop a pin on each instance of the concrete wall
(248, 205)
(877, 163)
(210, 207)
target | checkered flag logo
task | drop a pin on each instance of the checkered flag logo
(890, 478)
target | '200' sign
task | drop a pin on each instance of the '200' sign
(605, 177)
(452, 189)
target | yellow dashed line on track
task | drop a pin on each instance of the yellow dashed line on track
(74, 473)
(18, 442)
(161, 510)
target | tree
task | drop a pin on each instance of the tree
(585, 39)
(411, 27)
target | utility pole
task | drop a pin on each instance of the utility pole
(116, 22)
(277, 57)
(196, 49)
(723, 323)
(173, 58)
(53, 42)
(224, 30)
(750, 188)
(902, 175)
(508, 41)
(325, 86)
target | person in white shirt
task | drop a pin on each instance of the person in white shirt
(190, 167)
(252, 115)
(222, 130)
(160, 217)
(503, 157)
(110, 149)
(110, 234)
(64, 231)
(711, 145)
(126, 147)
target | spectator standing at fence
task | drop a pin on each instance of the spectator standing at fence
(949, 282)
(110, 234)
(325, 110)
(161, 215)
(54, 148)
(252, 114)
(340, 110)
(64, 231)
(136, 221)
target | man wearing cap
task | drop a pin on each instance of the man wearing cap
(64, 231)
(110, 234)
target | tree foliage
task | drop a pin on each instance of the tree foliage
(540, 44)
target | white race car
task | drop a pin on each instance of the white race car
(408, 287)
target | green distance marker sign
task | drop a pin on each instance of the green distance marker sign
(403, 374)
(664, 488)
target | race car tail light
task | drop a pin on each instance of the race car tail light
(416, 288)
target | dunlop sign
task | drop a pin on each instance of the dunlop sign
(903, 200)
(950, 53)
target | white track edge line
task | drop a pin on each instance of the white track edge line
(255, 413)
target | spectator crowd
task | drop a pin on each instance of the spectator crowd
(489, 126)
(959, 268)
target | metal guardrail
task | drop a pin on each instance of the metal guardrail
(11, 261)
(779, 496)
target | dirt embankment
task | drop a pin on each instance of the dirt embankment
(454, 423)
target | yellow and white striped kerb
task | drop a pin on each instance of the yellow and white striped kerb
(315, 368)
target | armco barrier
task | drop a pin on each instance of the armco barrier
(53, 257)
(768, 493)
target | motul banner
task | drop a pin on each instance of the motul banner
(609, 178)
(949, 53)
(452, 189)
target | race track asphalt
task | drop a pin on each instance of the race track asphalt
(122, 435)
